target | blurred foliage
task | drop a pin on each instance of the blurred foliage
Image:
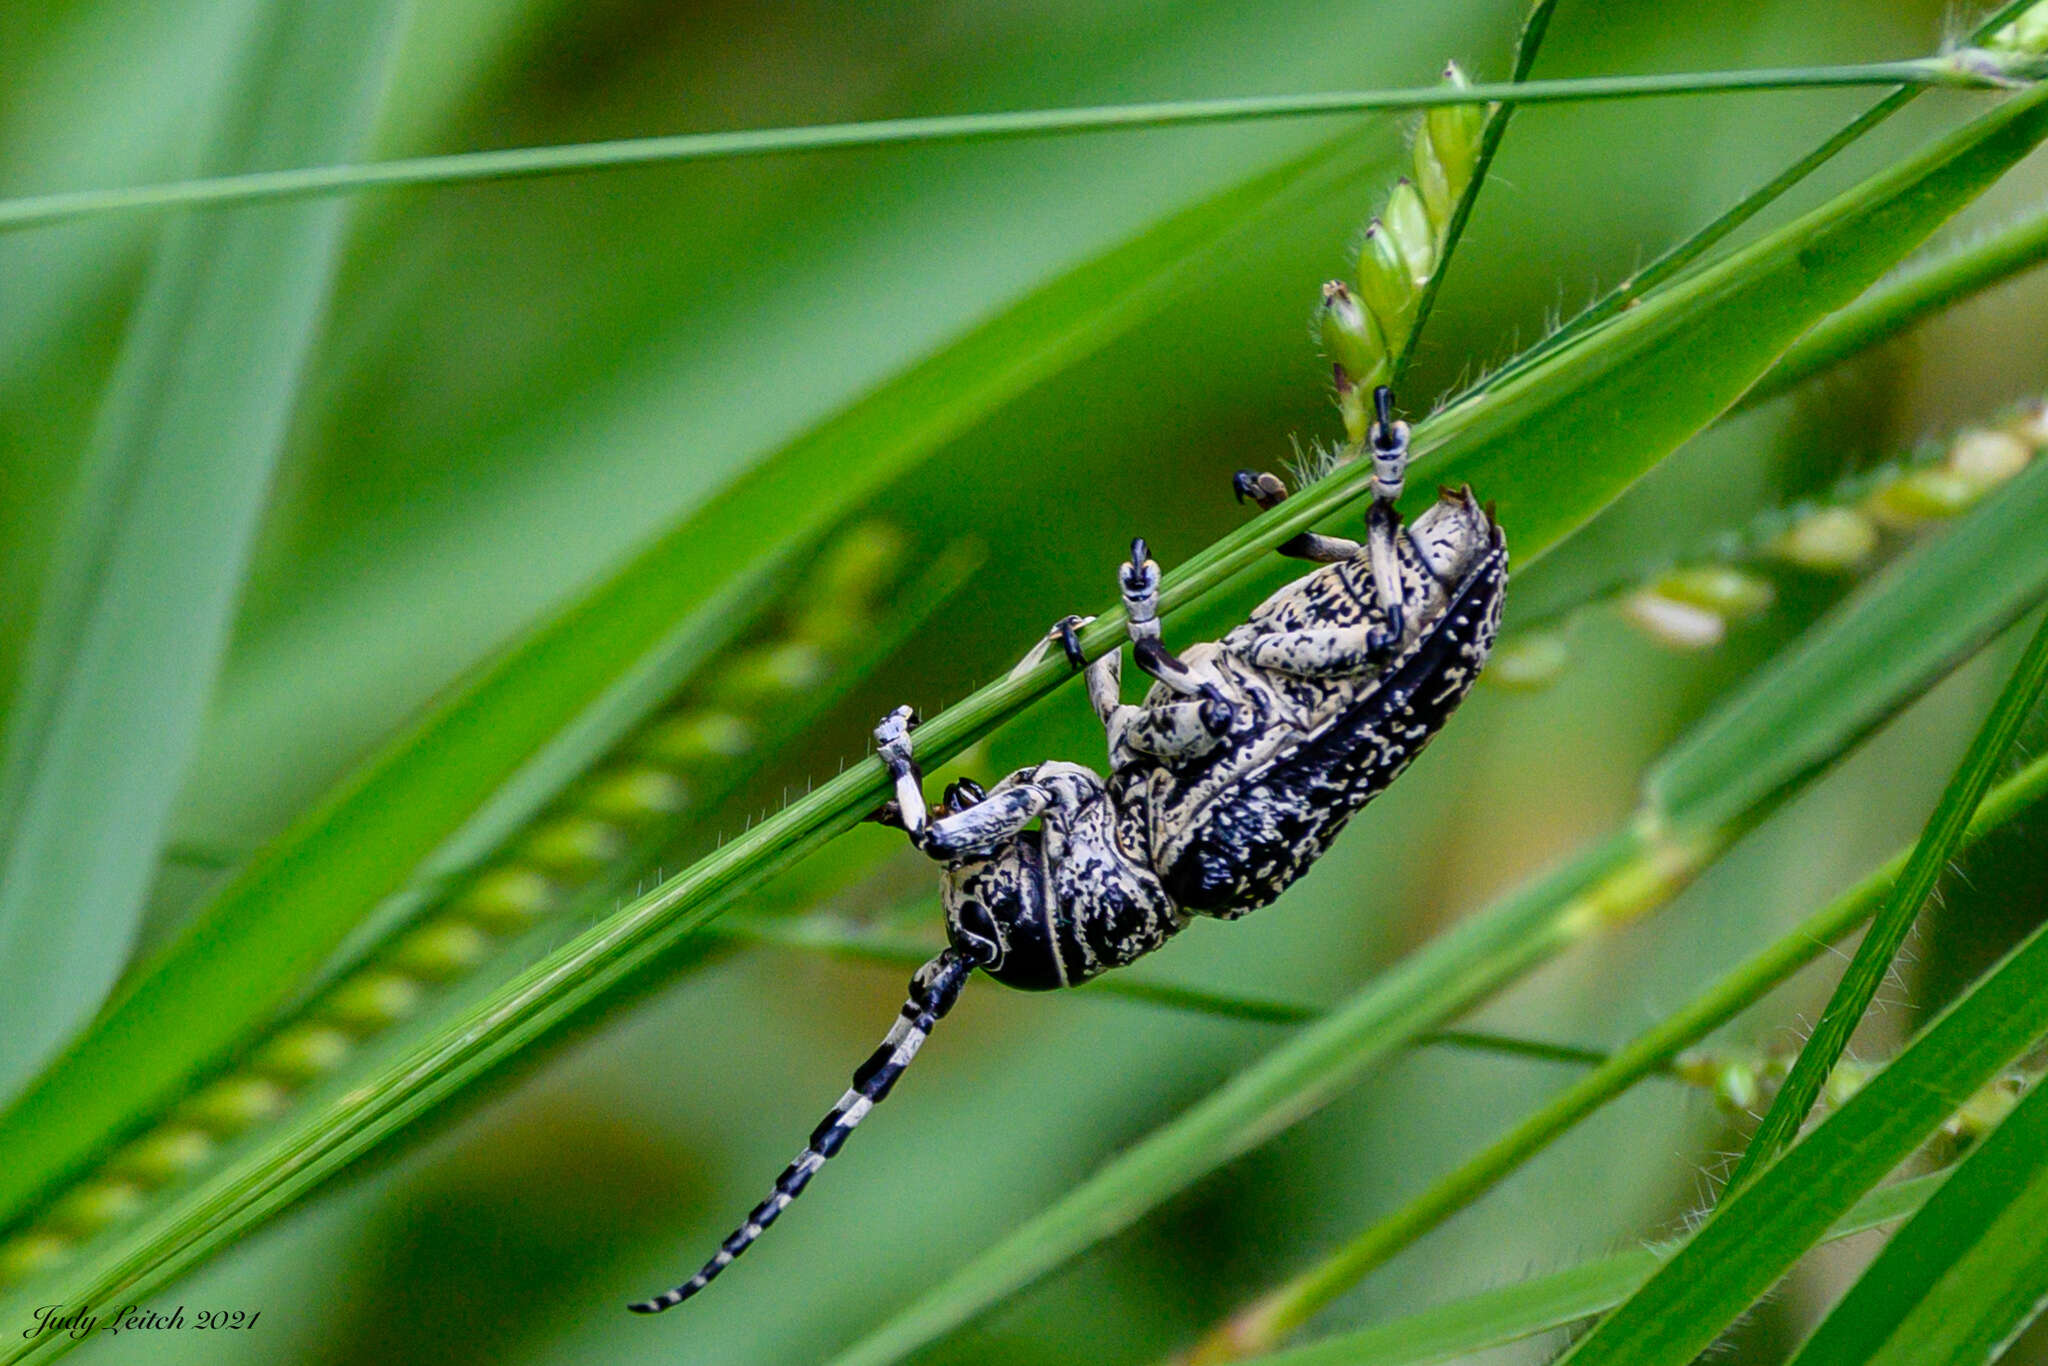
(516, 386)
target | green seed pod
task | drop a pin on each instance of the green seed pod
(1438, 197)
(1920, 497)
(303, 1052)
(370, 1001)
(2028, 33)
(1849, 1077)
(441, 949)
(637, 794)
(1454, 134)
(233, 1103)
(1987, 459)
(1726, 592)
(1408, 224)
(1737, 1087)
(163, 1153)
(695, 736)
(94, 1204)
(860, 562)
(32, 1252)
(1527, 663)
(1983, 1111)
(1828, 541)
(1351, 339)
(773, 672)
(573, 846)
(2031, 426)
(506, 899)
(1351, 406)
(1383, 282)
(1679, 625)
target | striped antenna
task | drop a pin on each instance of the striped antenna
(932, 993)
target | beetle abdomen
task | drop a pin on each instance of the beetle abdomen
(1259, 834)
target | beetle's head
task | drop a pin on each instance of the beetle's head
(996, 914)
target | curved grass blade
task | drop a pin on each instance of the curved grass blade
(1848, 244)
(1274, 1316)
(1994, 559)
(1534, 25)
(1542, 1304)
(1896, 305)
(1966, 1275)
(1759, 1231)
(1675, 261)
(1873, 959)
(135, 616)
(283, 915)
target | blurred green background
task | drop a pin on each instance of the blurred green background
(518, 384)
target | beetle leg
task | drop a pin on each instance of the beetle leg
(1268, 492)
(1062, 634)
(1320, 652)
(996, 816)
(1139, 579)
(1383, 523)
(1178, 730)
(892, 744)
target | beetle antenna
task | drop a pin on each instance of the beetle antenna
(932, 993)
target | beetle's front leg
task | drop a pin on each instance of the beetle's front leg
(995, 816)
(1268, 492)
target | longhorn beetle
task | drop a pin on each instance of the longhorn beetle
(1245, 759)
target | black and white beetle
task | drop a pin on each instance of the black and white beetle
(1245, 759)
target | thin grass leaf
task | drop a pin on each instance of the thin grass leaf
(1756, 1234)
(1534, 25)
(1897, 208)
(527, 162)
(1678, 258)
(1558, 1299)
(1764, 1223)
(282, 916)
(1873, 959)
(1966, 1275)
(135, 616)
(1274, 1316)
(1898, 304)
(1994, 559)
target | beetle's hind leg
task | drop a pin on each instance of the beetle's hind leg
(1269, 492)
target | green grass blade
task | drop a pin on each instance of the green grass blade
(1873, 959)
(1534, 25)
(1676, 260)
(1966, 1274)
(1847, 244)
(1274, 1316)
(281, 917)
(135, 617)
(1896, 305)
(1756, 1234)
(1542, 1304)
(1940, 602)
(1542, 445)
(527, 162)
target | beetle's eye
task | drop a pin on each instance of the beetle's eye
(974, 932)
